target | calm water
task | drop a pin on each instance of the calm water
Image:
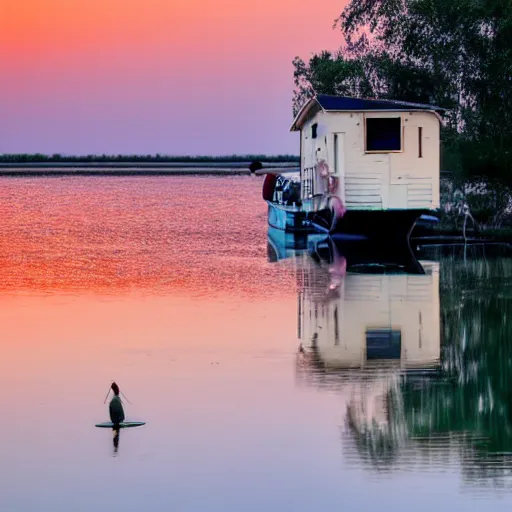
(265, 385)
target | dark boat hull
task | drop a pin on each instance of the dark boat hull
(379, 225)
(384, 226)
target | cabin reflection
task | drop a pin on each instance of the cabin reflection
(421, 365)
(368, 317)
(363, 330)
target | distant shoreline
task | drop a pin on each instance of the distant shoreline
(140, 169)
(144, 165)
(127, 171)
(39, 165)
(58, 160)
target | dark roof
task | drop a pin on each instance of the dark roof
(347, 104)
(354, 104)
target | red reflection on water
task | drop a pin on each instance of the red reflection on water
(198, 235)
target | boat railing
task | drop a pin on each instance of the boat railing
(308, 182)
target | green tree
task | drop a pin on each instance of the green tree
(456, 54)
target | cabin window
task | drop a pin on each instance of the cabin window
(383, 134)
(383, 344)
(314, 129)
(420, 145)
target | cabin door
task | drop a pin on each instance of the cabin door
(339, 162)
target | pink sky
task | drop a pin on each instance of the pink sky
(172, 77)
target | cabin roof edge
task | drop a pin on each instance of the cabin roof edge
(302, 114)
(327, 103)
(348, 104)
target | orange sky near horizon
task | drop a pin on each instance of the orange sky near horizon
(112, 65)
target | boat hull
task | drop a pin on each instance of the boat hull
(288, 218)
(379, 225)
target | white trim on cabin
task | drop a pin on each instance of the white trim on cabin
(391, 111)
(414, 107)
(303, 110)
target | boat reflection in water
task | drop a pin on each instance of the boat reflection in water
(421, 361)
(363, 329)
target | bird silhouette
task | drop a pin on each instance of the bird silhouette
(116, 407)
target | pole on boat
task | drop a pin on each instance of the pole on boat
(124, 396)
(108, 393)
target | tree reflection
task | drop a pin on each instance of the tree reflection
(476, 394)
(418, 409)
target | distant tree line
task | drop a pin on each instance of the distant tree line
(58, 158)
(456, 54)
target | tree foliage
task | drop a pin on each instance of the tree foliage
(455, 54)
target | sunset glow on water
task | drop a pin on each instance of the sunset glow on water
(164, 285)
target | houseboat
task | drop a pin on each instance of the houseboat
(368, 168)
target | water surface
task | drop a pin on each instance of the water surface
(273, 385)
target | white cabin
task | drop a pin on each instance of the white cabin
(382, 154)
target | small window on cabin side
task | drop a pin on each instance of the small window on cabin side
(313, 130)
(383, 343)
(383, 134)
(420, 142)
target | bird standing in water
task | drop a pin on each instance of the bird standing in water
(116, 407)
